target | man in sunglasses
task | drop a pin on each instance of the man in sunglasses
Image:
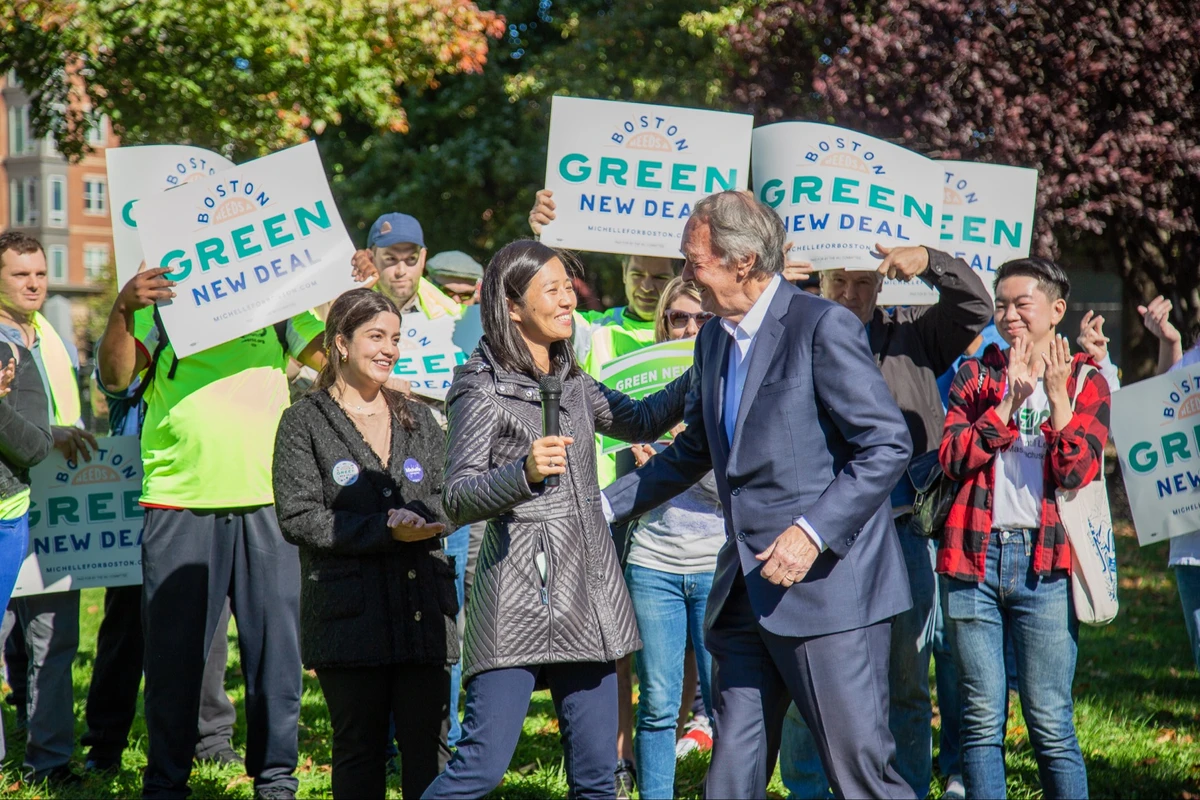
(913, 346)
(457, 275)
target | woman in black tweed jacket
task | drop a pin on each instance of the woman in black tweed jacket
(377, 603)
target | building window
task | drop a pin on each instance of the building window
(97, 133)
(58, 263)
(95, 259)
(23, 200)
(20, 137)
(94, 200)
(56, 199)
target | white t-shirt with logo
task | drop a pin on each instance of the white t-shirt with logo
(1019, 480)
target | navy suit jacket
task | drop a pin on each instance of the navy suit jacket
(817, 435)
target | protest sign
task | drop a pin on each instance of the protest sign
(136, 173)
(430, 349)
(987, 219)
(626, 176)
(644, 372)
(249, 246)
(987, 214)
(85, 524)
(840, 193)
(1156, 429)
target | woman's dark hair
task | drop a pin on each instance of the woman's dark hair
(507, 277)
(1050, 277)
(348, 313)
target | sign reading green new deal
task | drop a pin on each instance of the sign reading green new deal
(987, 214)
(432, 346)
(85, 524)
(1156, 429)
(142, 173)
(644, 372)
(840, 193)
(248, 247)
(987, 219)
(626, 176)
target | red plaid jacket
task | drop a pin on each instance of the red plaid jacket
(971, 440)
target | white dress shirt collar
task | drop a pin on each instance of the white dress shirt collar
(744, 332)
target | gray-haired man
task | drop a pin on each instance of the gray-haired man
(790, 412)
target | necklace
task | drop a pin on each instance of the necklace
(358, 410)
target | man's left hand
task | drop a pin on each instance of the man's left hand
(795, 269)
(903, 263)
(73, 442)
(363, 268)
(789, 558)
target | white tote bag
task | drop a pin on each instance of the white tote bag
(1087, 518)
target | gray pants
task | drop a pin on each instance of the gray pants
(192, 561)
(51, 626)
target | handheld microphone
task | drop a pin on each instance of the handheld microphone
(551, 389)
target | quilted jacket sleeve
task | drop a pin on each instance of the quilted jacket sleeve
(25, 438)
(475, 490)
(629, 420)
(304, 517)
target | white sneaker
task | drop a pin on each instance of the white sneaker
(955, 790)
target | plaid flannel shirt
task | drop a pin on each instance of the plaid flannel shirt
(973, 437)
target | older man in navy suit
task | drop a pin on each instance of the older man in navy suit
(789, 409)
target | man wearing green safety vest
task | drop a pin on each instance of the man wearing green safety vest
(615, 333)
(50, 622)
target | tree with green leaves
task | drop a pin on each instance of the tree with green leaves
(245, 77)
(475, 151)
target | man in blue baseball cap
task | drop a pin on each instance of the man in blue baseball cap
(396, 244)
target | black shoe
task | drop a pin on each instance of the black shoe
(224, 757)
(626, 779)
(58, 778)
(99, 763)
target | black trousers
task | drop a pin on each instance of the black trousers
(117, 677)
(192, 560)
(360, 700)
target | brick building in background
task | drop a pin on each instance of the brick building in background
(64, 205)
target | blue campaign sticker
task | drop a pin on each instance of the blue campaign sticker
(413, 470)
(345, 473)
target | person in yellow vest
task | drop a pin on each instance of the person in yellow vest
(50, 622)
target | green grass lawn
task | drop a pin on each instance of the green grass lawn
(1137, 711)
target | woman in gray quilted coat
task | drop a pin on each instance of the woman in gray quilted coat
(548, 596)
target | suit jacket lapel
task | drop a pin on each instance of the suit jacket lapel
(762, 353)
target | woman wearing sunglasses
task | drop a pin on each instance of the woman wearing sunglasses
(672, 556)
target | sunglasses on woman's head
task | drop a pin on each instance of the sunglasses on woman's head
(680, 319)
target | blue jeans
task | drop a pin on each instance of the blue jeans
(949, 698)
(669, 610)
(910, 710)
(1187, 578)
(1037, 612)
(456, 545)
(14, 542)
